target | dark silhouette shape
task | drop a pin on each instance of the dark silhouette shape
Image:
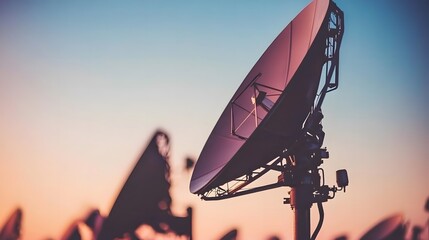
(181, 225)
(342, 237)
(231, 235)
(416, 233)
(427, 210)
(427, 205)
(91, 219)
(72, 232)
(94, 221)
(274, 238)
(391, 228)
(11, 229)
(145, 197)
(190, 162)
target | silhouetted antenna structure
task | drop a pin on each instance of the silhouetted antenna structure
(392, 227)
(273, 121)
(11, 229)
(231, 235)
(72, 232)
(145, 197)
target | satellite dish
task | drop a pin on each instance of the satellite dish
(391, 228)
(145, 197)
(273, 121)
(94, 221)
(268, 110)
(11, 229)
(72, 232)
(146, 189)
(231, 235)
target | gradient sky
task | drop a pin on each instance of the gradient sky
(84, 84)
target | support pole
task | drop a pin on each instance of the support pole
(302, 224)
(301, 197)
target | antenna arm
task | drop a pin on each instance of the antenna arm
(244, 192)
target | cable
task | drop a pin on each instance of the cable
(319, 224)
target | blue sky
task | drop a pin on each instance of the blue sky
(84, 84)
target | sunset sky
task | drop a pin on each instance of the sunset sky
(84, 85)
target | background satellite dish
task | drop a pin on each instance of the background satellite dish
(11, 229)
(267, 112)
(145, 197)
(231, 235)
(94, 221)
(72, 232)
(391, 228)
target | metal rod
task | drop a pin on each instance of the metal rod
(301, 197)
(302, 224)
(190, 216)
(299, 202)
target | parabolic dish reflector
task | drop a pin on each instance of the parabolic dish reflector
(12, 227)
(144, 198)
(389, 228)
(269, 108)
(231, 235)
(72, 232)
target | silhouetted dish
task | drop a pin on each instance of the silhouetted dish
(12, 227)
(389, 228)
(145, 197)
(231, 235)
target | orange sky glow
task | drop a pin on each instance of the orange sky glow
(83, 86)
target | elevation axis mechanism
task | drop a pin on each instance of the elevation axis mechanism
(273, 121)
